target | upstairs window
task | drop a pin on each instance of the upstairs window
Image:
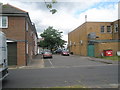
(26, 26)
(3, 22)
(102, 29)
(70, 43)
(109, 29)
(116, 28)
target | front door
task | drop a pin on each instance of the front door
(90, 50)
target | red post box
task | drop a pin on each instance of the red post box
(108, 53)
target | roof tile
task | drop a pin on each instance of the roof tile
(7, 8)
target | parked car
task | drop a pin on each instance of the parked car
(59, 51)
(65, 53)
(47, 55)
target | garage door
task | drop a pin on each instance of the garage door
(12, 53)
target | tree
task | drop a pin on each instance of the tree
(49, 6)
(52, 39)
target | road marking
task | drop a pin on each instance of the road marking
(51, 63)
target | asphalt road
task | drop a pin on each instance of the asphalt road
(65, 71)
(70, 61)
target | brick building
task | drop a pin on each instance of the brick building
(91, 38)
(21, 34)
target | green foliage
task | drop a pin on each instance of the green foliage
(54, 1)
(49, 6)
(114, 58)
(52, 39)
(53, 11)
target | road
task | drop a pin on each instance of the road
(65, 71)
(70, 61)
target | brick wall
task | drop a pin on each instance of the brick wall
(29, 38)
(99, 47)
(96, 27)
(17, 31)
(21, 53)
(115, 34)
(79, 34)
(16, 28)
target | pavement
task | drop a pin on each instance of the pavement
(38, 62)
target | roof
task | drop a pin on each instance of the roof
(7, 8)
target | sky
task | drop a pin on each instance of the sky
(70, 13)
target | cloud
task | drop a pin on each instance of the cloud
(102, 14)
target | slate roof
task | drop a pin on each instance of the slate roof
(9, 9)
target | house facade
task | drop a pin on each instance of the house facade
(20, 32)
(92, 38)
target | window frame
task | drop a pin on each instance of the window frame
(1, 22)
(27, 25)
(109, 28)
(101, 29)
(115, 27)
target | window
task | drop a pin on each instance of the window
(70, 43)
(74, 44)
(3, 22)
(109, 29)
(27, 47)
(102, 29)
(26, 26)
(116, 28)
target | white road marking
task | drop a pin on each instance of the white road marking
(51, 63)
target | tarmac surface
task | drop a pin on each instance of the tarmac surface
(38, 62)
(64, 71)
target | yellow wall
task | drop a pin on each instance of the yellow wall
(81, 34)
(96, 27)
(99, 47)
(75, 37)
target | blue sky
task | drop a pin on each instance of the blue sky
(99, 5)
(70, 15)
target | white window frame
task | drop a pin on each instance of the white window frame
(27, 47)
(74, 43)
(70, 43)
(1, 22)
(26, 26)
(116, 27)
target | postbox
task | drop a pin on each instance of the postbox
(108, 53)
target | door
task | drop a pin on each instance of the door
(12, 53)
(91, 50)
